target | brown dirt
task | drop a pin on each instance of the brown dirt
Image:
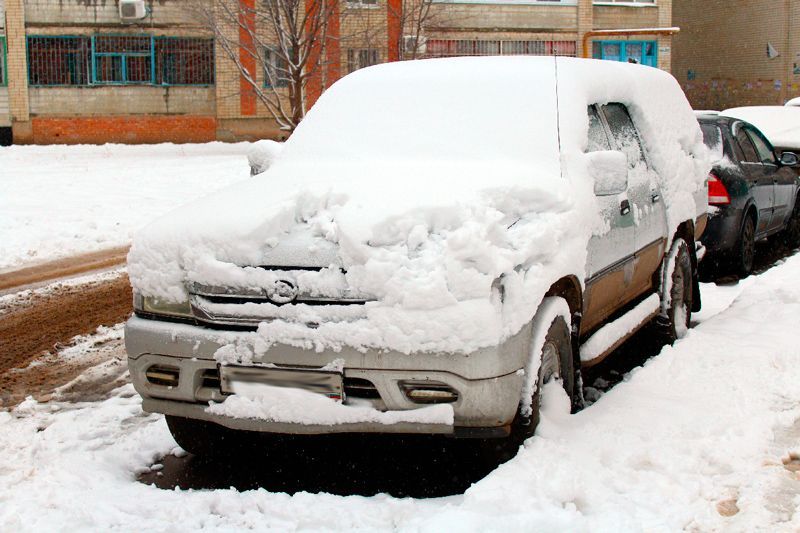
(61, 268)
(45, 322)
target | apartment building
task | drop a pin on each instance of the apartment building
(75, 71)
(737, 52)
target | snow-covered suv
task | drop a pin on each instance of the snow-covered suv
(435, 241)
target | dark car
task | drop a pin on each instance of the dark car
(752, 193)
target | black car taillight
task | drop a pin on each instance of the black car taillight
(717, 193)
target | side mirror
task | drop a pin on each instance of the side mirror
(262, 154)
(609, 170)
(789, 159)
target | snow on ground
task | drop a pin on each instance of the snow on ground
(699, 432)
(57, 201)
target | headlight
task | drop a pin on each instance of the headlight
(156, 306)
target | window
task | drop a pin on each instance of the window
(3, 67)
(120, 60)
(748, 150)
(712, 137)
(59, 60)
(360, 58)
(624, 132)
(598, 138)
(467, 47)
(643, 52)
(276, 69)
(182, 61)
(362, 3)
(763, 149)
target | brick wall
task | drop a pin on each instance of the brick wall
(130, 130)
(121, 100)
(721, 53)
(504, 17)
(105, 12)
(5, 116)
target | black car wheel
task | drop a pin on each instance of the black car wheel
(679, 311)
(556, 363)
(746, 250)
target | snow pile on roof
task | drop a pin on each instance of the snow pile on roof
(780, 124)
(430, 203)
(59, 201)
(707, 421)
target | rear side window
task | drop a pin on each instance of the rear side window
(712, 137)
(624, 132)
(745, 144)
(598, 139)
(763, 150)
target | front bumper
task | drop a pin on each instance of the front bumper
(488, 381)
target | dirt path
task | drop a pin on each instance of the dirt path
(28, 277)
(33, 323)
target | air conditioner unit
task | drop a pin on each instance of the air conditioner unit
(132, 10)
(410, 42)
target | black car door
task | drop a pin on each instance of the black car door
(783, 179)
(759, 179)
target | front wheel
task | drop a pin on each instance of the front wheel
(556, 363)
(676, 293)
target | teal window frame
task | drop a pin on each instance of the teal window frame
(3, 62)
(94, 76)
(598, 51)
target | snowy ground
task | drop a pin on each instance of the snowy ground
(704, 437)
(57, 201)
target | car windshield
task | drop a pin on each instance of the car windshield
(712, 137)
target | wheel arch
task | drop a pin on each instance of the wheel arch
(685, 232)
(571, 290)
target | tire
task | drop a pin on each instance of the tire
(677, 311)
(556, 362)
(199, 437)
(746, 249)
(790, 236)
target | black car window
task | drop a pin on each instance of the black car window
(624, 132)
(598, 138)
(712, 137)
(745, 144)
(765, 154)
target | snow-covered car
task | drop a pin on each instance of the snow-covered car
(436, 241)
(794, 102)
(780, 124)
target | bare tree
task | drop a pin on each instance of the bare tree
(285, 40)
(417, 18)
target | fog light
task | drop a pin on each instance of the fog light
(165, 376)
(429, 392)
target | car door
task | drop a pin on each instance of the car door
(759, 181)
(649, 213)
(783, 179)
(610, 259)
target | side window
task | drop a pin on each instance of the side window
(598, 139)
(624, 132)
(745, 144)
(765, 154)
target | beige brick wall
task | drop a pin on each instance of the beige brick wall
(505, 17)
(105, 12)
(5, 117)
(132, 100)
(626, 17)
(724, 45)
(17, 63)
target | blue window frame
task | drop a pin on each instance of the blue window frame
(3, 62)
(119, 60)
(643, 52)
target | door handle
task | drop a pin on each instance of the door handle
(624, 207)
(655, 197)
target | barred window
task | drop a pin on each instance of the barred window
(181, 61)
(123, 59)
(120, 60)
(360, 58)
(59, 60)
(477, 47)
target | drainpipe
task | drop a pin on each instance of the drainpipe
(587, 52)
